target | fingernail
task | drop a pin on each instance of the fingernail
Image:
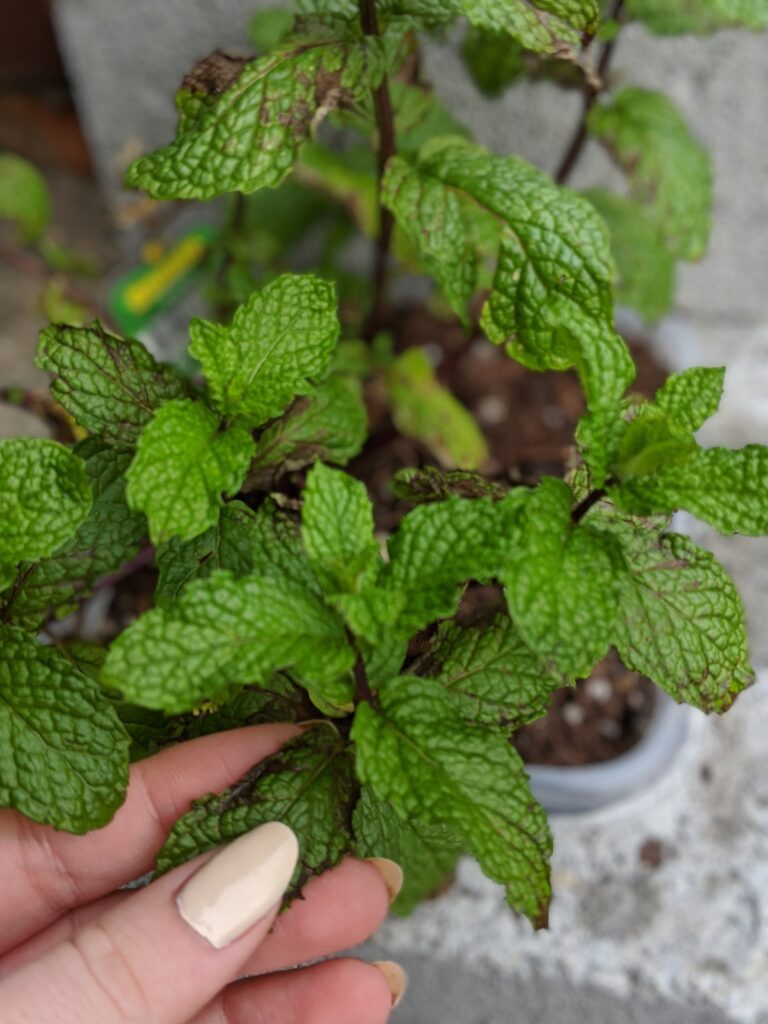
(236, 888)
(395, 977)
(392, 874)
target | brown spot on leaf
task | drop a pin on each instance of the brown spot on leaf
(215, 73)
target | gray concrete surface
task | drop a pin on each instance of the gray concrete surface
(685, 941)
(126, 60)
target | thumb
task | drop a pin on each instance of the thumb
(164, 953)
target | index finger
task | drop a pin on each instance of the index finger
(49, 872)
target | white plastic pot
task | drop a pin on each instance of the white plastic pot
(574, 790)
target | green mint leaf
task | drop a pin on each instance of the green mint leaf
(692, 396)
(653, 442)
(24, 197)
(490, 674)
(544, 26)
(605, 370)
(419, 117)
(307, 785)
(108, 538)
(224, 631)
(337, 530)
(493, 60)
(278, 343)
(669, 171)
(417, 753)
(440, 546)
(329, 424)
(44, 497)
(677, 17)
(425, 410)
(111, 386)
(270, 27)
(183, 464)
(241, 123)
(63, 751)
(431, 218)
(560, 581)
(427, 484)
(645, 266)
(227, 545)
(725, 487)
(152, 730)
(551, 244)
(426, 853)
(680, 620)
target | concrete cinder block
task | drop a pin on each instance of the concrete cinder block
(126, 61)
(660, 910)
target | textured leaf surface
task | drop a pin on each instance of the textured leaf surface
(63, 751)
(184, 462)
(277, 344)
(491, 676)
(244, 134)
(111, 386)
(669, 171)
(692, 396)
(108, 538)
(437, 547)
(227, 545)
(44, 497)
(653, 442)
(223, 631)
(307, 785)
(417, 753)
(337, 529)
(605, 370)
(544, 26)
(725, 487)
(645, 266)
(675, 17)
(425, 410)
(680, 620)
(431, 218)
(552, 245)
(561, 582)
(426, 853)
(24, 197)
(493, 61)
(329, 424)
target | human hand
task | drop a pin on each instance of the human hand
(75, 951)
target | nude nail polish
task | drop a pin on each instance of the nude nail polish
(395, 977)
(237, 887)
(392, 874)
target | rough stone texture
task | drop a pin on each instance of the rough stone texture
(660, 911)
(126, 61)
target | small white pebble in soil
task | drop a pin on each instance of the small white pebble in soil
(433, 352)
(637, 699)
(492, 409)
(599, 689)
(552, 416)
(609, 728)
(573, 714)
(485, 351)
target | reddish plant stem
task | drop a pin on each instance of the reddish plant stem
(580, 510)
(591, 92)
(385, 123)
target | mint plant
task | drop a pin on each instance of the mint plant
(277, 600)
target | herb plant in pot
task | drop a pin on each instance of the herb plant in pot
(277, 597)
